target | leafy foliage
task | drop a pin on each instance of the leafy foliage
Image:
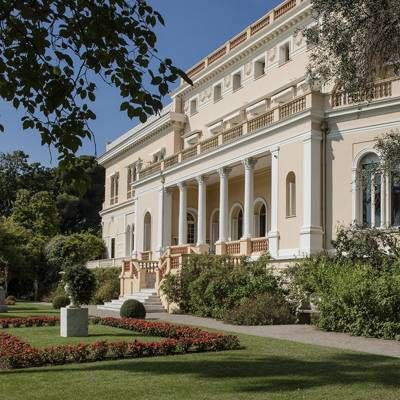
(78, 248)
(133, 309)
(209, 285)
(263, 309)
(388, 148)
(352, 42)
(352, 297)
(60, 301)
(376, 247)
(81, 284)
(51, 50)
(107, 284)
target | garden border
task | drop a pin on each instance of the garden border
(15, 353)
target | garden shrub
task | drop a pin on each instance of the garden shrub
(357, 298)
(60, 301)
(269, 308)
(11, 298)
(210, 285)
(107, 284)
(81, 284)
(133, 309)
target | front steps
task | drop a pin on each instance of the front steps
(148, 297)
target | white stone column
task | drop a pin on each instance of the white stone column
(223, 203)
(273, 234)
(161, 220)
(136, 219)
(201, 211)
(311, 231)
(248, 216)
(182, 236)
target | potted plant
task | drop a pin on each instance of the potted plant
(80, 285)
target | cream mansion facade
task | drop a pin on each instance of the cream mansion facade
(249, 159)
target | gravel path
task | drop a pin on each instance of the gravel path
(296, 333)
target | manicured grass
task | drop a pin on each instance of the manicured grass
(25, 309)
(263, 369)
(50, 335)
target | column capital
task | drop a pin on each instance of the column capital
(275, 152)
(201, 179)
(225, 171)
(249, 163)
(182, 185)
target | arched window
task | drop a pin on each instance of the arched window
(236, 222)
(214, 229)
(291, 195)
(147, 232)
(370, 191)
(260, 218)
(191, 228)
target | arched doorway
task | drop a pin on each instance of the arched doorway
(191, 227)
(236, 222)
(260, 218)
(214, 229)
(147, 232)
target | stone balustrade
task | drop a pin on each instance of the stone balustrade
(264, 120)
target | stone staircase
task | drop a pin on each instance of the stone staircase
(148, 297)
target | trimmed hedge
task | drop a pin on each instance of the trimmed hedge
(132, 309)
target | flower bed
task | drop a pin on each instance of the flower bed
(14, 353)
(28, 321)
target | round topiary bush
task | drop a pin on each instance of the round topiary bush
(60, 301)
(133, 309)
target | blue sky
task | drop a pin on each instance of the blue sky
(193, 29)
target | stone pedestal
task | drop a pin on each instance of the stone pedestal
(74, 322)
(3, 306)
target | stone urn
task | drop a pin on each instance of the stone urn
(73, 319)
(3, 306)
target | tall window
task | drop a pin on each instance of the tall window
(147, 232)
(237, 81)
(193, 106)
(395, 200)
(236, 223)
(191, 228)
(291, 195)
(112, 250)
(133, 239)
(130, 180)
(114, 182)
(284, 53)
(371, 191)
(259, 68)
(217, 92)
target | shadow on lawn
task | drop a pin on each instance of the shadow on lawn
(251, 373)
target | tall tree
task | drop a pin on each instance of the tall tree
(354, 42)
(17, 173)
(51, 51)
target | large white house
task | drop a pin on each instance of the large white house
(248, 159)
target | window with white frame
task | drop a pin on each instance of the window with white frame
(284, 53)
(114, 183)
(131, 178)
(237, 81)
(378, 195)
(193, 106)
(259, 68)
(291, 194)
(217, 92)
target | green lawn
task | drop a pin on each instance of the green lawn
(50, 335)
(264, 369)
(24, 309)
